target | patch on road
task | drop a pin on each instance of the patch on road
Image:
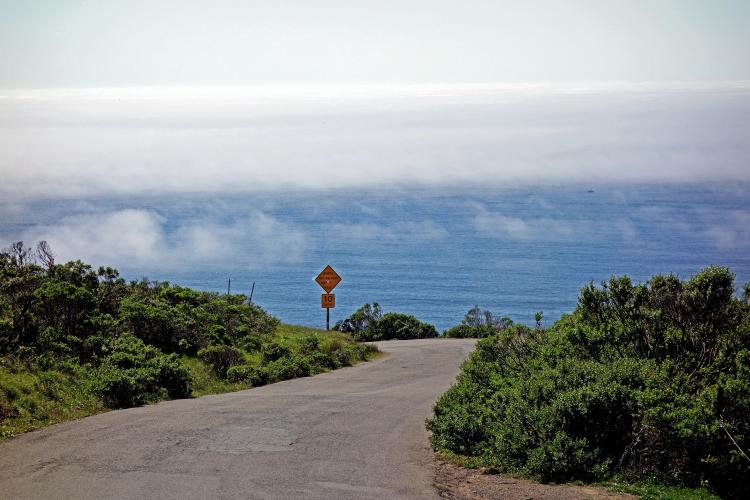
(248, 439)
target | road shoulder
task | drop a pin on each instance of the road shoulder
(458, 483)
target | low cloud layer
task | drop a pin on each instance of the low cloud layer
(718, 229)
(143, 238)
(150, 141)
(188, 234)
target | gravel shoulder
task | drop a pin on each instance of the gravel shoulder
(456, 483)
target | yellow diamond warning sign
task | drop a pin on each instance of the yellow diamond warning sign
(328, 279)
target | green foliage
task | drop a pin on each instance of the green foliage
(253, 375)
(369, 324)
(272, 351)
(288, 367)
(639, 379)
(647, 490)
(478, 324)
(221, 358)
(134, 373)
(29, 399)
(402, 326)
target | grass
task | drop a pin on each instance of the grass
(205, 381)
(657, 491)
(30, 399)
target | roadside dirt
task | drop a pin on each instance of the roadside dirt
(457, 483)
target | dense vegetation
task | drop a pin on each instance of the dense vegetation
(478, 323)
(648, 381)
(74, 341)
(368, 323)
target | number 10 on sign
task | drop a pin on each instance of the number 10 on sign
(328, 300)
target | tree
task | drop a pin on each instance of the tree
(44, 254)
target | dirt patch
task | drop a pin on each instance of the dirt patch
(458, 483)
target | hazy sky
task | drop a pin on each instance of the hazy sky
(86, 43)
(110, 109)
(157, 140)
(147, 97)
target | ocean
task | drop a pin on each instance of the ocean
(433, 252)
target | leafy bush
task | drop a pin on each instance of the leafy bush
(368, 324)
(256, 376)
(288, 367)
(478, 324)
(402, 326)
(271, 351)
(221, 358)
(134, 373)
(647, 380)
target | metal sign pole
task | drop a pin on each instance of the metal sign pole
(328, 318)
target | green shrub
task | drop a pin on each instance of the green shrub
(646, 380)
(123, 388)
(220, 358)
(288, 367)
(272, 351)
(172, 375)
(323, 361)
(256, 376)
(478, 324)
(368, 324)
(134, 373)
(309, 344)
(404, 327)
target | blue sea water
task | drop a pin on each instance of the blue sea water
(431, 252)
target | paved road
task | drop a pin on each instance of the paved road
(353, 433)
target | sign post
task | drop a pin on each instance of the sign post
(328, 279)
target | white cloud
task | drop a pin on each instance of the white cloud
(498, 225)
(140, 238)
(133, 236)
(732, 232)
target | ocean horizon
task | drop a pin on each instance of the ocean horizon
(433, 252)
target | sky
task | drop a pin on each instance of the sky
(150, 97)
(154, 98)
(106, 43)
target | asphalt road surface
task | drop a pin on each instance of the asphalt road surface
(352, 433)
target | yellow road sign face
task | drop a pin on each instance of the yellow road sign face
(328, 300)
(328, 279)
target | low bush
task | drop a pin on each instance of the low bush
(134, 373)
(368, 324)
(220, 358)
(404, 327)
(255, 376)
(478, 324)
(271, 351)
(288, 367)
(650, 380)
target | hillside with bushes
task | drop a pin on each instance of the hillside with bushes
(644, 381)
(76, 341)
